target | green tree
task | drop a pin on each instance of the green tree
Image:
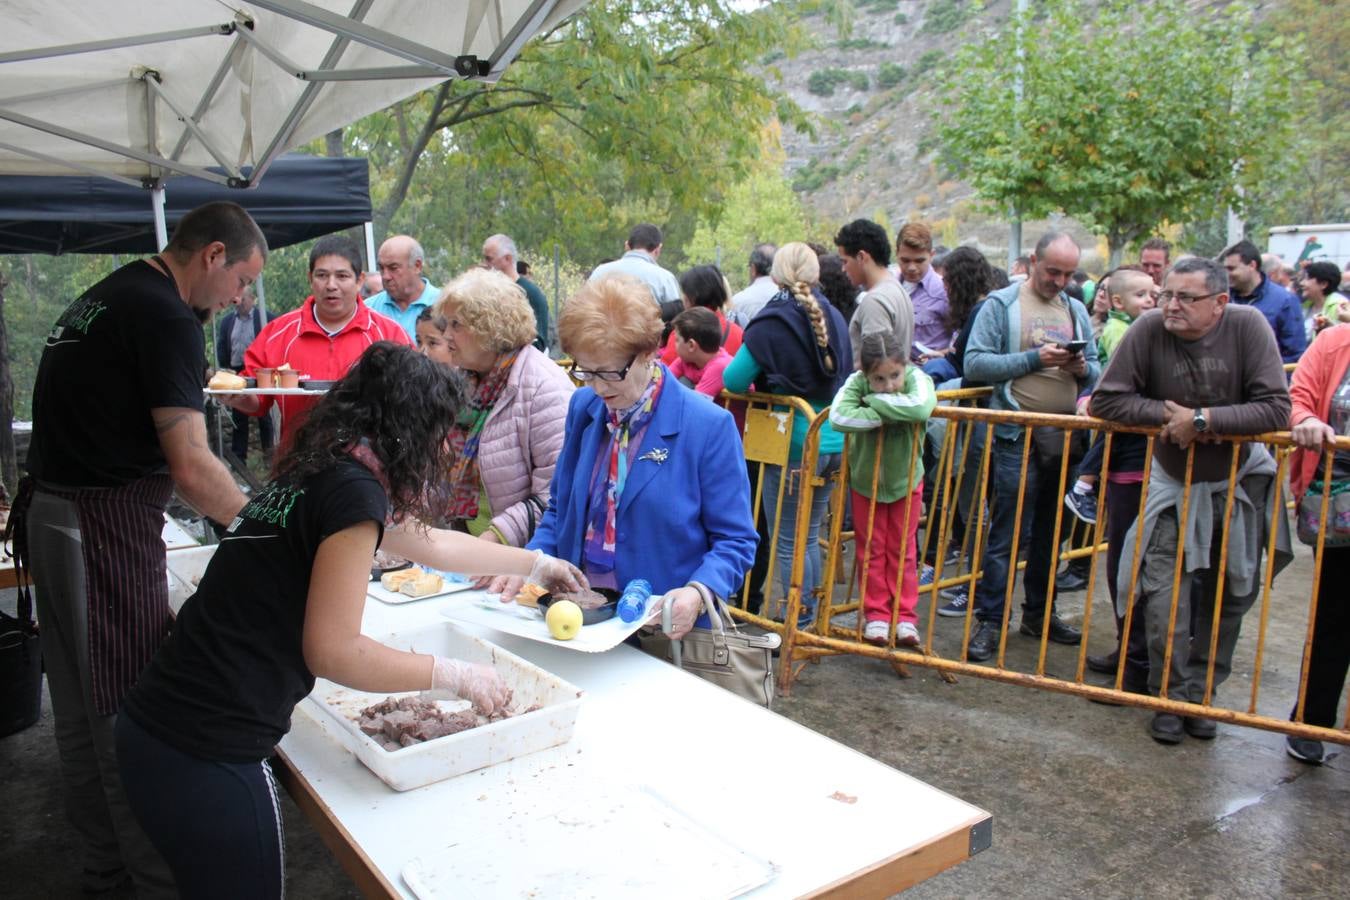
(762, 207)
(662, 100)
(1131, 114)
(1314, 186)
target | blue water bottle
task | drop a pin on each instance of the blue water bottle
(633, 600)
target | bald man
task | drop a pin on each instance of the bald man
(499, 252)
(406, 291)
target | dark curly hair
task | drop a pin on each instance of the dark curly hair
(836, 287)
(968, 278)
(399, 401)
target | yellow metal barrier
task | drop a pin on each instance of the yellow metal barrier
(955, 462)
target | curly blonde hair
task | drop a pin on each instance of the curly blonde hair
(491, 307)
(616, 313)
(797, 268)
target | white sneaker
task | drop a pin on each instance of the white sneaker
(877, 632)
(906, 635)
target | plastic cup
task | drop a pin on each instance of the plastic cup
(288, 378)
(266, 377)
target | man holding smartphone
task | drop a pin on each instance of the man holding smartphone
(1033, 343)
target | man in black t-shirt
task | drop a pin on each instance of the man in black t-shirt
(117, 427)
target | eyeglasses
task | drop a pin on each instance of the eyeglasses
(1166, 297)
(603, 374)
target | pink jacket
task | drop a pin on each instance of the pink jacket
(521, 441)
(1320, 371)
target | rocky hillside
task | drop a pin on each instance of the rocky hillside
(875, 154)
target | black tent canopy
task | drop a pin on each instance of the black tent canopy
(303, 197)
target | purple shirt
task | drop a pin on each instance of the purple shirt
(929, 297)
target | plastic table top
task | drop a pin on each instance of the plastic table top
(832, 820)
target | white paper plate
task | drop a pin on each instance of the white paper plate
(451, 586)
(270, 392)
(526, 622)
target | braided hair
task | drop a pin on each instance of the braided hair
(797, 269)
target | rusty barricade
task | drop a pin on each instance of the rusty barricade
(1039, 664)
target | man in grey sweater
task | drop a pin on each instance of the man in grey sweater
(1198, 366)
(1033, 343)
(884, 305)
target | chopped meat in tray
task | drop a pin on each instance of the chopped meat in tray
(398, 722)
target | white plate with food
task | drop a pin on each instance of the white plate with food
(417, 583)
(270, 392)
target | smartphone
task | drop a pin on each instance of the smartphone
(1072, 346)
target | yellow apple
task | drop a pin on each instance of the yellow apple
(563, 620)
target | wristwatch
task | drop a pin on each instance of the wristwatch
(1200, 422)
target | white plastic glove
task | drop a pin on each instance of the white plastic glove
(478, 683)
(556, 574)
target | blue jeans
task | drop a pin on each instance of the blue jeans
(1038, 537)
(827, 464)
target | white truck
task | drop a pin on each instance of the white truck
(1295, 243)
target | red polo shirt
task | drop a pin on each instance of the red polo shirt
(298, 339)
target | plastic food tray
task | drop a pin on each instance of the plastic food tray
(334, 709)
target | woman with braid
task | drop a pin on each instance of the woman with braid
(798, 345)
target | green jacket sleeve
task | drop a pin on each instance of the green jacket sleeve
(849, 411)
(915, 404)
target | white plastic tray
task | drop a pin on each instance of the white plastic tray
(334, 707)
(526, 622)
(451, 585)
(572, 853)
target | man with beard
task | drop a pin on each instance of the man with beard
(118, 426)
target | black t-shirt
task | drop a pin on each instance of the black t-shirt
(128, 345)
(224, 684)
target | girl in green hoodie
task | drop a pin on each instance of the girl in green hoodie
(885, 406)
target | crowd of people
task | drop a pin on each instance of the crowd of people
(447, 436)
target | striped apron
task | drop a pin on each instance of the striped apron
(126, 582)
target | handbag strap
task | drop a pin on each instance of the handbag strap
(718, 627)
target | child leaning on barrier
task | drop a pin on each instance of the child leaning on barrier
(1132, 293)
(883, 407)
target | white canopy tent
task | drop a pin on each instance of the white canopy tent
(137, 91)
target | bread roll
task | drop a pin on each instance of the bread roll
(392, 581)
(226, 381)
(421, 584)
(529, 595)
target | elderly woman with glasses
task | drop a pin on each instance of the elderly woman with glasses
(651, 480)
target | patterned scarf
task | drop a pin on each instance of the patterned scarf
(464, 483)
(626, 429)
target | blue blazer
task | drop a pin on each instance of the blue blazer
(683, 518)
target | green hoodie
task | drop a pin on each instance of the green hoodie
(900, 417)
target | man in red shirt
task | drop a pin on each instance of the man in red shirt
(321, 339)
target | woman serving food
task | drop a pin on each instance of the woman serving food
(651, 479)
(280, 604)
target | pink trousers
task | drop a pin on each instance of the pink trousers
(883, 553)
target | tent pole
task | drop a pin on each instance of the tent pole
(260, 295)
(157, 204)
(371, 262)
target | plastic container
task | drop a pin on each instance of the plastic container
(633, 600)
(288, 378)
(335, 709)
(266, 378)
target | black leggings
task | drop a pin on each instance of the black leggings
(216, 824)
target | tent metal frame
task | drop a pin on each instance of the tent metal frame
(422, 62)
